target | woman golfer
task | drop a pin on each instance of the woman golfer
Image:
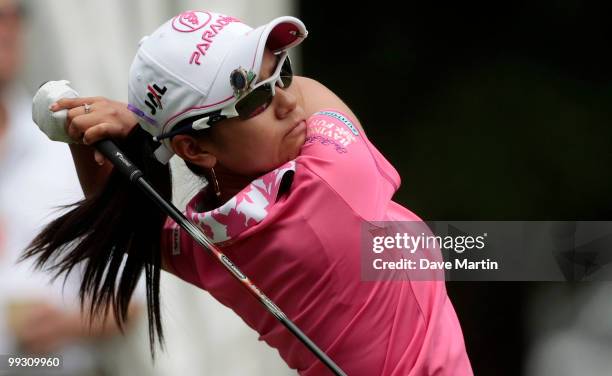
(291, 179)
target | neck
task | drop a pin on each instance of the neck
(230, 183)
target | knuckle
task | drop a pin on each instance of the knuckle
(108, 130)
(101, 101)
(76, 122)
(98, 131)
(74, 133)
(80, 124)
(91, 135)
(72, 114)
(88, 138)
(71, 132)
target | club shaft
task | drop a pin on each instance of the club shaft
(112, 153)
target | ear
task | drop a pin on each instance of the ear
(193, 150)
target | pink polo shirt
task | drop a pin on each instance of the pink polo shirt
(295, 232)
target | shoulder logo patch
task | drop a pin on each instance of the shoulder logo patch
(342, 118)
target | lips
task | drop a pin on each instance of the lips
(299, 127)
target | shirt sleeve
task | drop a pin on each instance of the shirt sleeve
(343, 157)
(178, 253)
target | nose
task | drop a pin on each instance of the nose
(285, 102)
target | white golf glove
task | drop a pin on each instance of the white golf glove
(53, 124)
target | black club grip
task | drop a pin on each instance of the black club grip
(113, 154)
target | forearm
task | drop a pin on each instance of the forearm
(103, 326)
(91, 175)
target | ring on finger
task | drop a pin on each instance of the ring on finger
(87, 108)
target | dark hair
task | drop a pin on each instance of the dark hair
(117, 222)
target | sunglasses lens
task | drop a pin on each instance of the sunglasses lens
(255, 102)
(259, 99)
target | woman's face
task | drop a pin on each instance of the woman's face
(265, 141)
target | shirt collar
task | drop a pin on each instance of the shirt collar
(245, 210)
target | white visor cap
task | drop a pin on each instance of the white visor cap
(183, 69)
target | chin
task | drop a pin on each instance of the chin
(300, 142)
(298, 149)
(294, 148)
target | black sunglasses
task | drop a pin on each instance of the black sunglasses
(260, 97)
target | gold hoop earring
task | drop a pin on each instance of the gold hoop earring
(215, 182)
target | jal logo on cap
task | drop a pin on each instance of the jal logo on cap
(154, 96)
(190, 21)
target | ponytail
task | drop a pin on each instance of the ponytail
(98, 232)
